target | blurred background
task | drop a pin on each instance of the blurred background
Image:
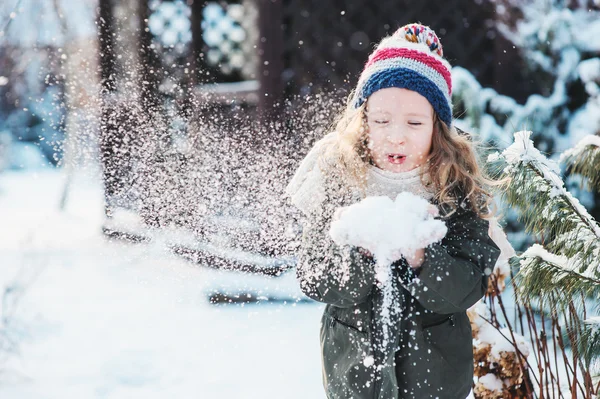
(146, 249)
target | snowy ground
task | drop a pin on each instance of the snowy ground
(89, 318)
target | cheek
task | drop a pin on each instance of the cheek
(424, 142)
(375, 139)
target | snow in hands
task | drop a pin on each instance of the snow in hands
(389, 230)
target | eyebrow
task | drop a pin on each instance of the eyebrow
(419, 114)
(378, 111)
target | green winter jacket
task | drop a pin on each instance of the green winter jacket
(430, 353)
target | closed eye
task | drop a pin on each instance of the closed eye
(381, 121)
(415, 123)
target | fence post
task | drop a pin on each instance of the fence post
(270, 51)
(197, 41)
(108, 129)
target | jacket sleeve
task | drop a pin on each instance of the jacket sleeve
(337, 275)
(454, 273)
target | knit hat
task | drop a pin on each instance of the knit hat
(411, 58)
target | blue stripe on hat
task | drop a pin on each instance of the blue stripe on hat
(404, 78)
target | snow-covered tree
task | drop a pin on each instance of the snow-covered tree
(560, 275)
(564, 61)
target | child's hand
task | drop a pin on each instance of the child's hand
(416, 259)
(433, 210)
(338, 213)
(365, 252)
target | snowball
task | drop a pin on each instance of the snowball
(388, 229)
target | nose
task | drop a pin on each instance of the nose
(397, 136)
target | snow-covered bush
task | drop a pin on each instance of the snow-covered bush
(564, 58)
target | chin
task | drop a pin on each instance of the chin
(398, 168)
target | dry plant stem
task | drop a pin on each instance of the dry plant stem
(492, 308)
(536, 343)
(572, 339)
(520, 355)
(520, 313)
(554, 321)
(577, 324)
(559, 339)
(530, 321)
(568, 367)
(544, 348)
(550, 378)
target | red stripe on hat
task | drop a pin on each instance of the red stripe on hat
(395, 52)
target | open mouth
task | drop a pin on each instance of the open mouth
(396, 159)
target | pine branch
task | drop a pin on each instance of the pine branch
(548, 209)
(570, 262)
(584, 160)
(552, 279)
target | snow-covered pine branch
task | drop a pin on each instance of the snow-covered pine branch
(556, 278)
(553, 214)
(584, 160)
(540, 271)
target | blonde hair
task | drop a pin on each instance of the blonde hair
(453, 164)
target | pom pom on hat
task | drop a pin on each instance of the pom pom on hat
(416, 33)
(411, 58)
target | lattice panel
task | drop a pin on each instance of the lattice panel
(229, 31)
(229, 35)
(170, 23)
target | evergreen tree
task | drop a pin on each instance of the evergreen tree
(561, 274)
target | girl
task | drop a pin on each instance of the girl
(396, 135)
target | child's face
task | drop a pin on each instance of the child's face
(400, 124)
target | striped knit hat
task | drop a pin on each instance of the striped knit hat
(412, 58)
